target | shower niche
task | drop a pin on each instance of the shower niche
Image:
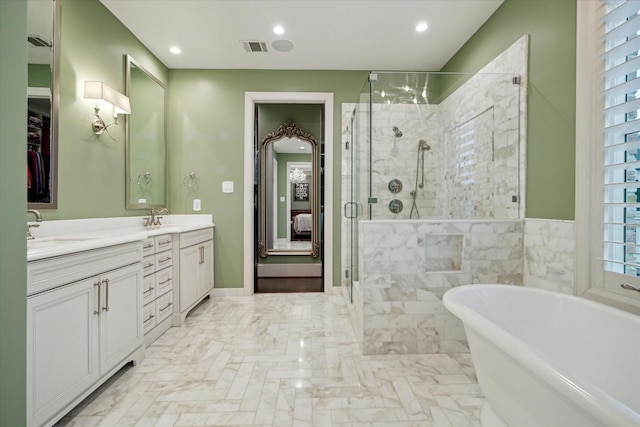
(443, 252)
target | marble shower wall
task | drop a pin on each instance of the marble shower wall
(482, 131)
(397, 158)
(549, 255)
(402, 283)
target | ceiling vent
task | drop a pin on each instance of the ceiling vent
(254, 46)
(37, 41)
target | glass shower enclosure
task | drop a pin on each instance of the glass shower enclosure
(425, 145)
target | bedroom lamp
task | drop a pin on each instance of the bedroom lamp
(102, 91)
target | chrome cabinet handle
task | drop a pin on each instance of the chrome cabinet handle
(97, 310)
(151, 316)
(164, 242)
(147, 246)
(165, 259)
(106, 283)
(148, 265)
(165, 281)
(629, 287)
(168, 305)
(148, 290)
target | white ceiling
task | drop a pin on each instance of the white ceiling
(326, 34)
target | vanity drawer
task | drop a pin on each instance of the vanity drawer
(163, 260)
(49, 273)
(163, 242)
(148, 289)
(164, 307)
(149, 264)
(149, 316)
(191, 238)
(164, 281)
(148, 246)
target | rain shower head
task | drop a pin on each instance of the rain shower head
(397, 132)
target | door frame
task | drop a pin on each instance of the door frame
(250, 101)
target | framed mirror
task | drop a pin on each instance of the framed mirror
(146, 148)
(43, 40)
(289, 188)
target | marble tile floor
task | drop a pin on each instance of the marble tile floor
(281, 360)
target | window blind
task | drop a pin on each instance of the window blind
(621, 136)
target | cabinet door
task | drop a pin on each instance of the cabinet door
(62, 347)
(120, 315)
(205, 279)
(189, 265)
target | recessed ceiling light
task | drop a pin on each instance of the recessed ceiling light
(175, 50)
(421, 27)
(278, 29)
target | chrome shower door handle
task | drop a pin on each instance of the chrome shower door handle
(352, 216)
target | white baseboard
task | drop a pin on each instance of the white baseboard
(230, 292)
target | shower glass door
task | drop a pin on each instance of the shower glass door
(351, 206)
(356, 173)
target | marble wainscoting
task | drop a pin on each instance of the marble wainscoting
(407, 266)
(549, 255)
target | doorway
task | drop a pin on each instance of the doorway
(252, 100)
(288, 250)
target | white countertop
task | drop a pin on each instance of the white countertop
(55, 238)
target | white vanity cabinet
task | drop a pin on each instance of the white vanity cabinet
(84, 322)
(195, 271)
(158, 286)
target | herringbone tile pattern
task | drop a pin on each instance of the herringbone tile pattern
(281, 360)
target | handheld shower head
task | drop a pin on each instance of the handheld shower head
(422, 145)
(397, 132)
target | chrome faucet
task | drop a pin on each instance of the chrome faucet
(30, 226)
(153, 220)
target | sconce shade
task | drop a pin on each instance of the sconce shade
(101, 90)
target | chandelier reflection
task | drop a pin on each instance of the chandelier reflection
(297, 175)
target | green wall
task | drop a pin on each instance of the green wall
(206, 134)
(39, 75)
(91, 179)
(13, 202)
(551, 25)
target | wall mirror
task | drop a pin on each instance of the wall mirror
(146, 146)
(288, 208)
(43, 41)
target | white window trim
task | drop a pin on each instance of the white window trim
(589, 234)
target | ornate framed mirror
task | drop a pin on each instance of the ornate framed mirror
(289, 192)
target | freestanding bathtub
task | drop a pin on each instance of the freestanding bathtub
(545, 359)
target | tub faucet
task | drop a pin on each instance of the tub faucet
(30, 226)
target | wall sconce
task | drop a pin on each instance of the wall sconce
(100, 90)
